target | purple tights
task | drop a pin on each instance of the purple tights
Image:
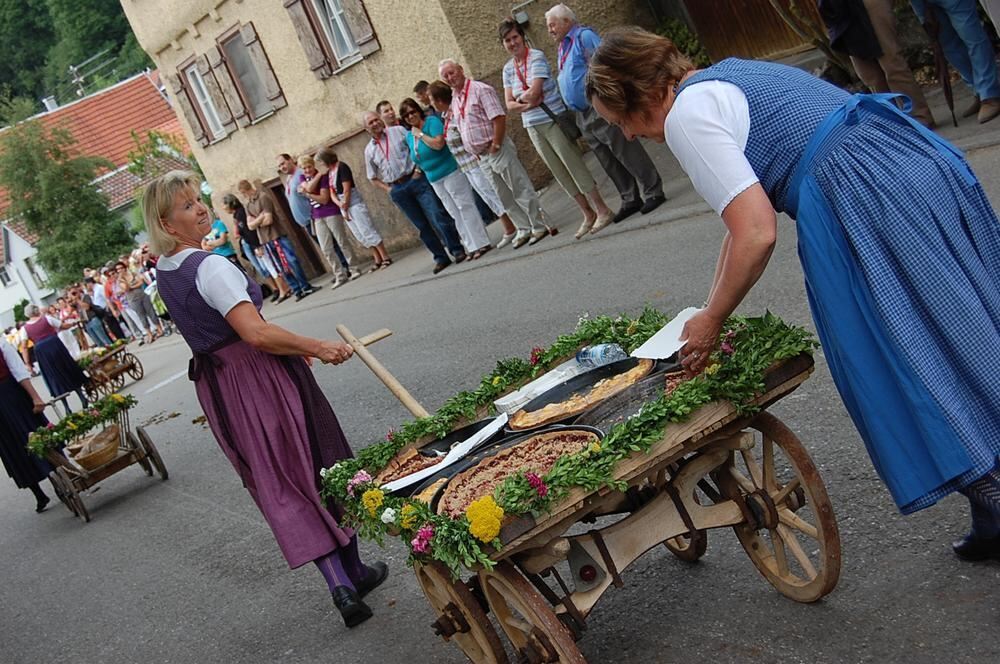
(343, 566)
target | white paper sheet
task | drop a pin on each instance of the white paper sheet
(667, 341)
(457, 452)
(515, 400)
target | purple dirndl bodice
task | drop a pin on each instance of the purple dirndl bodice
(202, 327)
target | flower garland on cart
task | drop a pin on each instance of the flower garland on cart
(748, 347)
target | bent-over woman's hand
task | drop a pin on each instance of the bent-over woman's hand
(334, 352)
(702, 336)
(37, 406)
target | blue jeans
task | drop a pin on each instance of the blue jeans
(96, 331)
(295, 276)
(252, 257)
(965, 43)
(423, 208)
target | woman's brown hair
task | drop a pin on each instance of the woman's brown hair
(407, 106)
(632, 70)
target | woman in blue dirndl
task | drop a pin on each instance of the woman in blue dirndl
(899, 246)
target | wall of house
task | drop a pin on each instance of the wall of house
(319, 112)
(22, 286)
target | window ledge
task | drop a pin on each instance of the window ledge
(267, 115)
(354, 59)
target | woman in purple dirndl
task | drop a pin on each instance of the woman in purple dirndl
(262, 402)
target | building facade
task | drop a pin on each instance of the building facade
(252, 79)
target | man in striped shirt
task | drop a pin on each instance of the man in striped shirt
(482, 123)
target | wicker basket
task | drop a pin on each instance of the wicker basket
(98, 448)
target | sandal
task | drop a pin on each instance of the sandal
(375, 267)
(386, 263)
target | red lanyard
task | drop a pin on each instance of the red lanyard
(447, 121)
(565, 53)
(523, 76)
(386, 150)
(465, 98)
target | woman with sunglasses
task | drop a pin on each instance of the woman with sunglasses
(429, 152)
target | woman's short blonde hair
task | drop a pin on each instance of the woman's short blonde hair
(306, 161)
(632, 70)
(158, 200)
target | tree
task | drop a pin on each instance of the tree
(19, 316)
(51, 188)
(26, 35)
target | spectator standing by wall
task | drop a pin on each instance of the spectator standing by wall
(390, 168)
(482, 122)
(625, 161)
(530, 90)
(299, 203)
(426, 143)
(327, 221)
(252, 249)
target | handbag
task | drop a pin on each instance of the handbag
(566, 121)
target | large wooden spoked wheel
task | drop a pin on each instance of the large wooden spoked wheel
(92, 389)
(72, 495)
(62, 490)
(117, 382)
(140, 454)
(526, 618)
(460, 617)
(135, 370)
(792, 536)
(152, 452)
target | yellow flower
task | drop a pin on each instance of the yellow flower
(712, 370)
(484, 517)
(372, 500)
(496, 380)
(632, 327)
(71, 426)
(408, 517)
(594, 447)
(119, 398)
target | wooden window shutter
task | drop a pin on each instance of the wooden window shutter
(263, 66)
(318, 62)
(184, 102)
(361, 26)
(217, 61)
(215, 94)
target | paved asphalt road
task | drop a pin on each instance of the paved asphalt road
(186, 571)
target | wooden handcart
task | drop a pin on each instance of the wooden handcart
(107, 373)
(71, 480)
(715, 470)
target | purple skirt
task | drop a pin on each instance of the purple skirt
(17, 421)
(277, 428)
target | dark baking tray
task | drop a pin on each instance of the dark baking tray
(623, 405)
(584, 381)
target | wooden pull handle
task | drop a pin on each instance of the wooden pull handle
(380, 371)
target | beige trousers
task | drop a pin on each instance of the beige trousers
(890, 72)
(562, 157)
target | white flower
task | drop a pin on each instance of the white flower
(323, 472)
(389, 516)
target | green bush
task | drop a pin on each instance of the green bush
(685, 40)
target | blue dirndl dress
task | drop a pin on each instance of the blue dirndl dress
(901, 254)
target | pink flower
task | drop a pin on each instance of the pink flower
(392, 432)
(730, 334)
(727, 348)
(360, 477)
(422, 542)
(536, 483)
(536, 355)
(50, 426)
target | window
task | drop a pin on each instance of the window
(227, 87)
(208, 112)
(335, 27)
(246, 76)
(334, 33)
(36, 273)
(5, 279)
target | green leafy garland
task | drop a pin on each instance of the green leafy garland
(748, 347)
(74, 425)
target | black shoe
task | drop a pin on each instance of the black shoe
(310, 289)
(377, 574)
(976, 548)
(440, 266)
(274, 298)
(299, 296)
(653, 203)
(43, 502)
(352, 609)
(460, 258)
(626, 212)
